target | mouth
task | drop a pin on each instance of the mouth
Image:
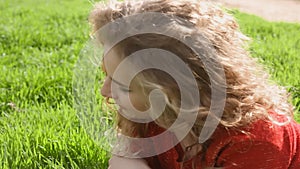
(133, 116)
(119, 108)
(124, 112)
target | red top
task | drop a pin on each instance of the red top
(266, 146)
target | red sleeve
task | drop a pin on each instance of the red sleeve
(263, 146)
(165, 160)
(253, 155)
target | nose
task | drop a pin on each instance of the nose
(106, 88)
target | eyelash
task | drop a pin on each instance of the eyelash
(125, 89)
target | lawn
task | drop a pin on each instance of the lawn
(40, 42)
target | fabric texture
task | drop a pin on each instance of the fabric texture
(261, 145)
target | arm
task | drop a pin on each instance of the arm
(264, 155)
(262, 145)
(117, 162)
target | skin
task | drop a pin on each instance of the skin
(117, 162)
(120, 93)
(128, 98)
(124, 97)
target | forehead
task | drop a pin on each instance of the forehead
(111, 62)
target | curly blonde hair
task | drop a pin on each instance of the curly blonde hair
(250, 95)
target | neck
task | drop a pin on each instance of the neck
(190, 143)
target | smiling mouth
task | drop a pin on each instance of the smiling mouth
(124, 113)
(133, 116)
(119, 108)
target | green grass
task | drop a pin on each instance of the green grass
(40, 43)
(277, 45)
(41, 137)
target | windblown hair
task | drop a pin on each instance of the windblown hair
(250, 95)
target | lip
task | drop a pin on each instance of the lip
(119, 108)
(122, 110)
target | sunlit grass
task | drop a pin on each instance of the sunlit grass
(277, 45)
(39, 44)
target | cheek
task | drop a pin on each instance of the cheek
(137, 101)
(140, 102)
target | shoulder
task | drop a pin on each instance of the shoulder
(262, 144)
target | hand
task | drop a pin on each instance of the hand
(117, 162)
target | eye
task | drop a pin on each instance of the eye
(123, 89)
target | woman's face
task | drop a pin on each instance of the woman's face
(130, 99)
